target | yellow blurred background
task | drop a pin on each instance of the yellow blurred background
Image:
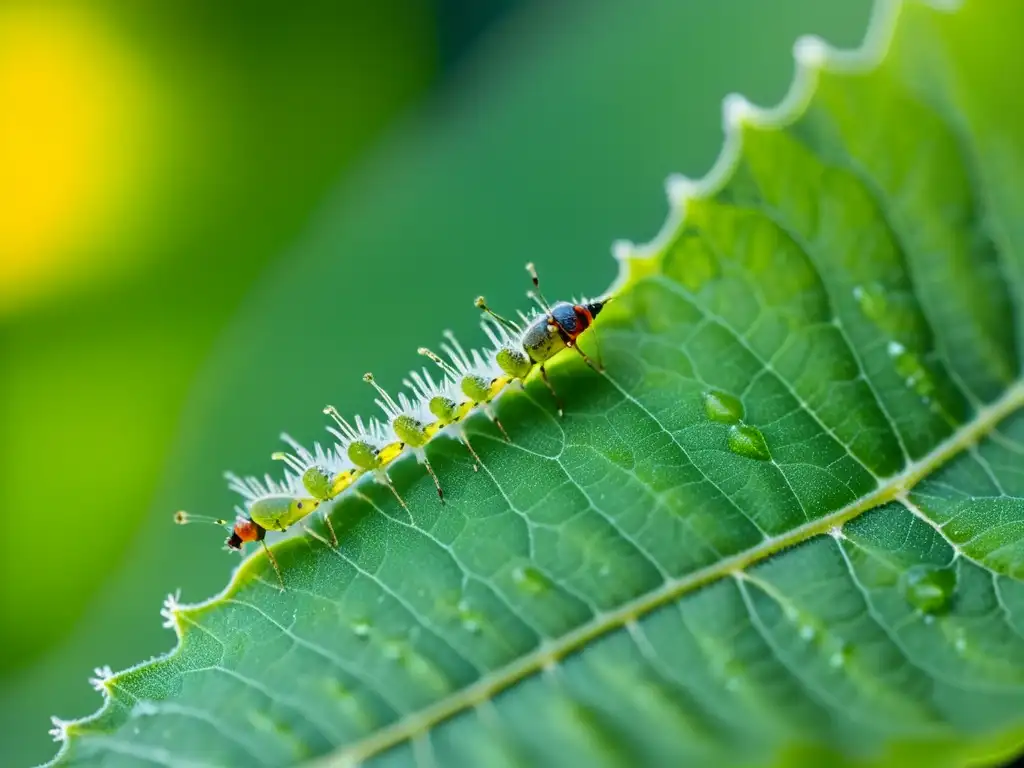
(77, 145)
(202, 204)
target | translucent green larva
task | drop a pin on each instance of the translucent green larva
(279, 513)
(318, 482)
(472, 380)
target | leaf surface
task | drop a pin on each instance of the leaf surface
(784, 526)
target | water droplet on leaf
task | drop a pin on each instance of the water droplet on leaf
(471, 619)
(361, 628)
(723, 407)
(913, 371)
(748, 441)
(960, 644)
(929, 588)
(531, 580)
(871, 300)
(394, 649)
(840, 655)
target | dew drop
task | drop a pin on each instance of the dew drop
(960, 644)
(807, 632)
(335, 689)
(722, 407)
(361, 628)
(747, 441)
(733, 671)
(471, 619)
(840, 655)
(929, 588)
(871, 300)
(913, 371)
(531, 580)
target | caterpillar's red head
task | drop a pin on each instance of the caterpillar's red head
(245, 530)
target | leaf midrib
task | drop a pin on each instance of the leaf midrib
(550, 653)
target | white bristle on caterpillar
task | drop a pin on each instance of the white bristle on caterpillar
(301, 459)
(254, 489)
(347, 433)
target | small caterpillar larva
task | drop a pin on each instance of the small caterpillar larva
(471, 382)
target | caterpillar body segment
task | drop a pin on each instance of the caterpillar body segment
(409, 422)
(443, 405)
(316, 468)
(370, 448)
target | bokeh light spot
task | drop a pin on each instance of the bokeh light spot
(73, 128)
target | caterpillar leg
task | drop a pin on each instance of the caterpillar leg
(273, 562)
(309, 529)
(497, 423)
(391, 485)
(433, 475)
(472, 452)
(597, 348)
(596, 367)
(551, 388)
(330, 528)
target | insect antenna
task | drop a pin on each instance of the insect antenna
(182, 517)
(347, 431)
(439, 361)
(508, 325)
(387, 404)
(536, 294)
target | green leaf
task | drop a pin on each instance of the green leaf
(783, 526)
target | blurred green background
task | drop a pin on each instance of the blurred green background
(214, 217)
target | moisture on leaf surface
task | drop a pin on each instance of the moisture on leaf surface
(784, 526)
